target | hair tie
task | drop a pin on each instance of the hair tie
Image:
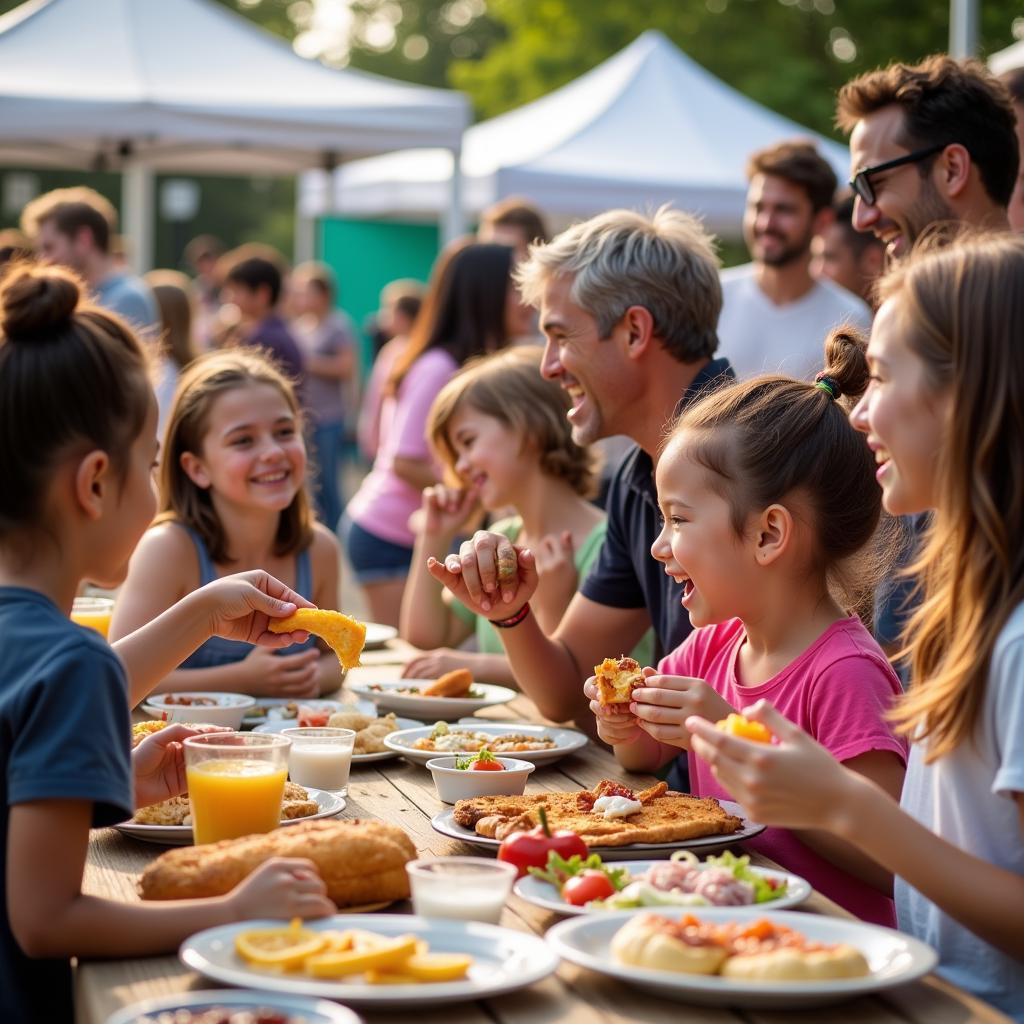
(828, 385)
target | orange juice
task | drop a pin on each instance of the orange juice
(233, 797)
(100, 621)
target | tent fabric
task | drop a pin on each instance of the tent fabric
(189, 85)
(1009, 59)
(648, 126)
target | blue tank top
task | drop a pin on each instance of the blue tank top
(219, 650)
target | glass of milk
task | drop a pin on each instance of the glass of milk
(468, 888)
(320, 757)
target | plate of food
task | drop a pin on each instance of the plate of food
(638, 825)
(587, 885)
(446, 698)
(203, 706)
(539, 744)
(170, 824)
(231, 1005)
(374, 961)
(284, 709)
(743, 957)
(377, 635)
(370, 728)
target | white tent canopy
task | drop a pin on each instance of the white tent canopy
(1009, 59)
(647, 126)
(185, 85)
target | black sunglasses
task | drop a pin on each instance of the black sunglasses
(861, 181)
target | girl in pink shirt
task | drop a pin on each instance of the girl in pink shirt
(770, 511)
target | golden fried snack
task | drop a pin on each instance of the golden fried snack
(360, 862)
(167, 812)
(344, 635)
(616, 680)
(452, 684)
(140, 730)
(508, 564)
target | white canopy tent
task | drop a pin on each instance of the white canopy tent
(647, 126)
(1009, 59)
(186, 85)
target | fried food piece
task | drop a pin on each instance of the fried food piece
(140, 730)
(370, 730)
(452, 684)
(616, 679)
(360, 862)
(344, 635)
(665, 816)
(508, 564)
(167, 812)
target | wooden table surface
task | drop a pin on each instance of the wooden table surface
(403, 794)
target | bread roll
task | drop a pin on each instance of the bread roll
(797, 965)
(644, 942)
(360, 862)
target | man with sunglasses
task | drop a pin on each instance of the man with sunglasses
(929, 143)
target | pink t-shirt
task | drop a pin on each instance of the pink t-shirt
(836, 691)
(384, 501)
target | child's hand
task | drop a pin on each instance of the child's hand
(281, 887)
(556, 567)
(472, 575)
(158, 763)
(240, 607)
(794, 783)
(663, 704)
(281, 675)
(615, 722)
(431, 664)
(446, 509)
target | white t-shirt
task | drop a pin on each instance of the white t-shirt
(967, 798)
(757, 336)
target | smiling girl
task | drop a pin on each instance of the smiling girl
(769, 511)
(232, 496)
(500, 430)
(944, 416)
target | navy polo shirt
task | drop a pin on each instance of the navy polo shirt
(625, 574)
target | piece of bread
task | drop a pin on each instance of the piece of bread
(786, 964)
(646, 941)
(616, 679)
(452, 684)
(360, 861)
(344, 635)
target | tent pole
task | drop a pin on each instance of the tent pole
(137, 214)
(963, 28)
(454, 222)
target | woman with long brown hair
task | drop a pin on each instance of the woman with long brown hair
(945, 418)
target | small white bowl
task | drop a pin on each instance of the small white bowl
(463, 784)
(229, 709)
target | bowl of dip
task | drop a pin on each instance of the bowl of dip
(205, 707)
(454, 783)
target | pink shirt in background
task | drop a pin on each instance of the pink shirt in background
(384, 501)
(837, 691)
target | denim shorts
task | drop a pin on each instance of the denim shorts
(373, 559)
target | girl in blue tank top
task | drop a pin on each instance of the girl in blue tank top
(233, 497)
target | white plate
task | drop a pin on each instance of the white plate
(504, 960)
(446, 825)
(543, 894)
(277, 725)
(432, 708)
(181, 835)
(566, 741)
(377, 635)
(312, 1011)
(274, 704)
(895, 959)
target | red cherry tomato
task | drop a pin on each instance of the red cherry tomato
(310, 717)
(586, 886)
(487, 766)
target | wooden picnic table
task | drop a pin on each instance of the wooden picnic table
(403, 794)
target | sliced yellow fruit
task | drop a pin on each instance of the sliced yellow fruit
(344, 635)
(282, 948)
(437, 966)
(394, 953)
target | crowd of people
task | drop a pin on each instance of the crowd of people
(813, 518)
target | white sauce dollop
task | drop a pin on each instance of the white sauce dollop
(616, 806)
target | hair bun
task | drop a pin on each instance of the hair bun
(36, 301)
(846, 367)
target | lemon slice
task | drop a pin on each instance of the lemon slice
(280, 948)
(437, 966)
(391, 954)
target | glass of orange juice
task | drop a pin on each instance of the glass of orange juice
(235, 783)
(93, 612)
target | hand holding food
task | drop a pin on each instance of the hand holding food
(531, 849)
(616, 679)
(281, 887)
(242, 606)
(664, 703)
(158, 761)
(343, 634)
(758, 951)
(792, 783)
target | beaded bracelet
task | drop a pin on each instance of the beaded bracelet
(512, 620)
